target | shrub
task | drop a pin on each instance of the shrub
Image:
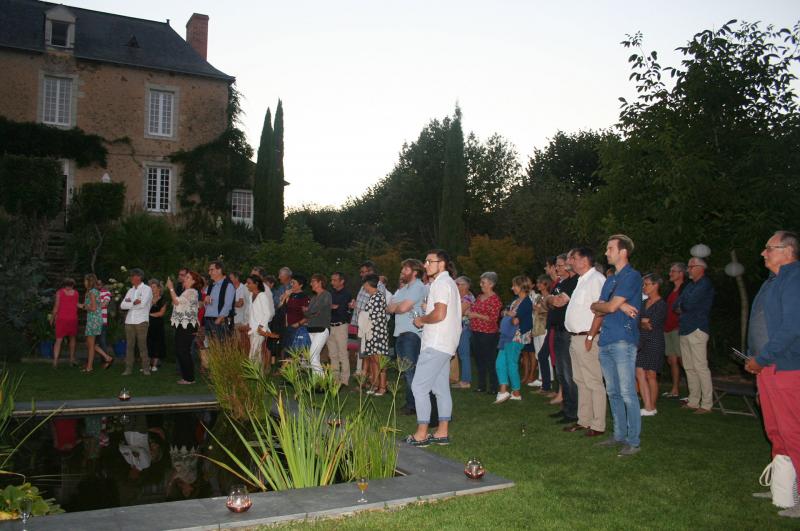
(504, 256)
(32, 187)
(97, 203)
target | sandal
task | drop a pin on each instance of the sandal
(379, 392)
(86, 369)
(109, 363)
(410, 440)
(667, 394)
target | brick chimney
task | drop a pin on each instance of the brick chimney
(197, 34)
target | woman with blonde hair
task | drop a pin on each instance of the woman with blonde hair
(94, 323)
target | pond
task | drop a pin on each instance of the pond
(102, 461)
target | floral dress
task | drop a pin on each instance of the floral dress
(94, 319)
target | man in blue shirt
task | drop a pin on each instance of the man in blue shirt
(407, 304)
(218, 320)
(619, 304)
(774, 347)
(694, 309)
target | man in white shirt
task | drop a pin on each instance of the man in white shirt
(241, 306)
(441, 331)
(583, 351)
(137, 302)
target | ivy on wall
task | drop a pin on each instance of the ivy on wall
(39, 140)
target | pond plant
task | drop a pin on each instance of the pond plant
(297, 429)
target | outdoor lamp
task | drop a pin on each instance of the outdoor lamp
(700, 250)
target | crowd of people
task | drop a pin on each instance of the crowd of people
(585, 336)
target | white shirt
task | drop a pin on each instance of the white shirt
(261, 312)
(579, 317)
(139, 313)
(240, 317)
(444, 335)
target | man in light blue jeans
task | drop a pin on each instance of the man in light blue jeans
(618, 311)
(441, 331)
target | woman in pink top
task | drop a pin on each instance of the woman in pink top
(65, 318)
(483, 322)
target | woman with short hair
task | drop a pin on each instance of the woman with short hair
(317, 319)
(65, 319)
(467, 299)
(259, 313)
(293, 300)
(650, 357)
(185, 320)
(156, 340)
(483, 323)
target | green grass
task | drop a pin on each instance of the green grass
(694, 472)
(42, 382)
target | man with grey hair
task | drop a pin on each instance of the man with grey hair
(557, 308)
(694, 309)
(774, 347)
(137, 302)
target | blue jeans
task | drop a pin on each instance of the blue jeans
(507, 365)
(618, 361)
(544, 363)
(463, 355)
(407, 346)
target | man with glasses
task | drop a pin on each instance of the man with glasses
(441, 331)
(694, 309)
(220, 294)
(774, 347)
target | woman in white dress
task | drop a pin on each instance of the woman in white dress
(260, 313)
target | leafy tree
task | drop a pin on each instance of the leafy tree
(504, 256)
(451, 214)
(32, 186)
(572, 159)
(261, 179)
(714, 158)
(493, 170)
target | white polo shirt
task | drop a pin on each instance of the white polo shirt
(579, 316)
(444, 335)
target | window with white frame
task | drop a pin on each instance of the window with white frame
(161, 113)
(242, 207)
(158, 188)
(57, 101)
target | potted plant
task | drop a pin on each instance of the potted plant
(43, 335)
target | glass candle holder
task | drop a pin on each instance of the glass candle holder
(474, 469)
(238, 499)
(124, 394)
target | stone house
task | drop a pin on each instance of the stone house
(134, 82)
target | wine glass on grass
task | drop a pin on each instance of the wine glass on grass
(362, 484)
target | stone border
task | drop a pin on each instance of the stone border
(427, 476)
(114, 406)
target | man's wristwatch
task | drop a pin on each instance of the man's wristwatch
(590, 338)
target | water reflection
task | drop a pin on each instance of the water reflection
(96, 462)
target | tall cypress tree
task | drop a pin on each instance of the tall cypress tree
(261, 178)
(274, 228)
(451, 214)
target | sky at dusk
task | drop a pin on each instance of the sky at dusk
(360, 78)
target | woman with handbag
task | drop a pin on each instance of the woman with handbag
(317, 319)
(515, 333)
(293, 300)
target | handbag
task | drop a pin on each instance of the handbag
(301, 339)
(781, 478)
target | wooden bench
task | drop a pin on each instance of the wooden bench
(745, 390)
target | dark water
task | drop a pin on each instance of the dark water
(96, 462)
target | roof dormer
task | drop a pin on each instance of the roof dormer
(59, 30)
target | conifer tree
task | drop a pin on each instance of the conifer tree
(451, 214)
(261, 177)
(274, 225)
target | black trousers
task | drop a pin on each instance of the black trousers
(569, 390)
(484, 347)
(184, 337)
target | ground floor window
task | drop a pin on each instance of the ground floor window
(159, 181)
(242, 207)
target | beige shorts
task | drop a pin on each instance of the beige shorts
(672, 342)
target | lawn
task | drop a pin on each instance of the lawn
(42, 382)
(693, 472)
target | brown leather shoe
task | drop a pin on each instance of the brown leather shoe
(701, 411)
(593, 433)
(687, 406)
(575, 427)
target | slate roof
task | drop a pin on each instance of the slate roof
(105, 37)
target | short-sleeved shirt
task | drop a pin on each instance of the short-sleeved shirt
(414, 292)
(490, 307)
(444, 335)
(240, 317)
(618, 326)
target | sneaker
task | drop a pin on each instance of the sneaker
(370, 391)
(535, 383)
(127, 372)
(611, 442)
(793, 512)
(515, 397)
(146, 372)
(154, 368)
(648, 412)
(684, 399)
(629, 450)
(502, 397)
(767, 494)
